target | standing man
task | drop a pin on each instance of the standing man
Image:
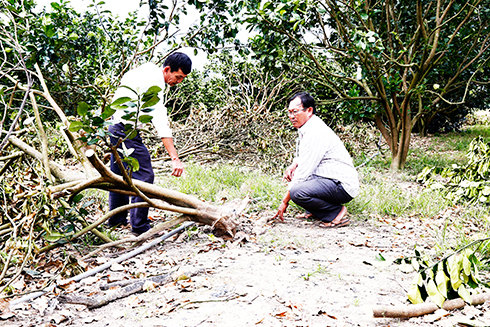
(322, 176)
(176, 67)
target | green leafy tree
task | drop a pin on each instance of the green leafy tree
(403, 61)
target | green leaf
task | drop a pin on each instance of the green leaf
(152, 90)
(150, 103)
(454, 272)
(145, 119)
(279, 7)
(466, 265)
(414, 294)
(379, 257)
(464, 294)
(77, 198)
(441, 280)
(82, 108)
(129, 116)
(434, 294)
(127, 87)
(73, 36)
(415, 264)
(92, 141)
(53, 236)
(133, 134)
(75, 126)
(133, 163)
(119, 101)
(295, 26)
(50, 31)
(108, 112)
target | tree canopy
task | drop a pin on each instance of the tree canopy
(399, 63)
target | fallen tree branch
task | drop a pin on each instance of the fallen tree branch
(141, 238)
(231, 297)
(99, 301)
(102, 267)
(425, 308)
(56, 169)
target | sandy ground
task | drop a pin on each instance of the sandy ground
(280, 274)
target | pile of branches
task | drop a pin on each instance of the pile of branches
(254, 137)
(40, 203)
(249, 125)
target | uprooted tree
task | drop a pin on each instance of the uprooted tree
(48, 174)
(40, 200)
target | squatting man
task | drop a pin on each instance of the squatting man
(175, 68)
(322, 176)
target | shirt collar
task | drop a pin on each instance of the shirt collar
(302, 129)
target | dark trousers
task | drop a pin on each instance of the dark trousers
(138, 217)
(322, 197)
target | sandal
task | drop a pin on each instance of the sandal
(342, 223)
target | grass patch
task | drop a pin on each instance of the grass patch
(443, 150)
(437, 150)
(388, 195)
(218, 184)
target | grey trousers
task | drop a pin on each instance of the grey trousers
(322, 197)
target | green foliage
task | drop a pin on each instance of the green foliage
(413, 66)
(95, 124)
(445, 279)
(470, 182)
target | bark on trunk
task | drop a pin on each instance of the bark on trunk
(424, 308)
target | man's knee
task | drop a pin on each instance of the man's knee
(297, 193)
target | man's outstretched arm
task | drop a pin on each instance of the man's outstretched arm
(282, 207)
(177, 166)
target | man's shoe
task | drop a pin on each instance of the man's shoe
(141, 230)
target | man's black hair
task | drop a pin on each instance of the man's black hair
(179, 60)
(306, 99)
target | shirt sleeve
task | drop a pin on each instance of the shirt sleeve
(160, 118)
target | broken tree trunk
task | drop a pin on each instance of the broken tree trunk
(74, 183)
(424, 308)
(202, 212)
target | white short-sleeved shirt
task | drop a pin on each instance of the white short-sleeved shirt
(141, 79)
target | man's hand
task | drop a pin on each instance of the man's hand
(280, 211)
(177, 167)
(288, 175)
(283, 206)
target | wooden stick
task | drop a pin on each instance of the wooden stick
(138, 286)
(425, 308)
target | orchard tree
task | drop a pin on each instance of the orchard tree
(397, 62)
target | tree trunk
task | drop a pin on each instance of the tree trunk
(195, 209)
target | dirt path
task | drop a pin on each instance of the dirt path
(291, 274)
